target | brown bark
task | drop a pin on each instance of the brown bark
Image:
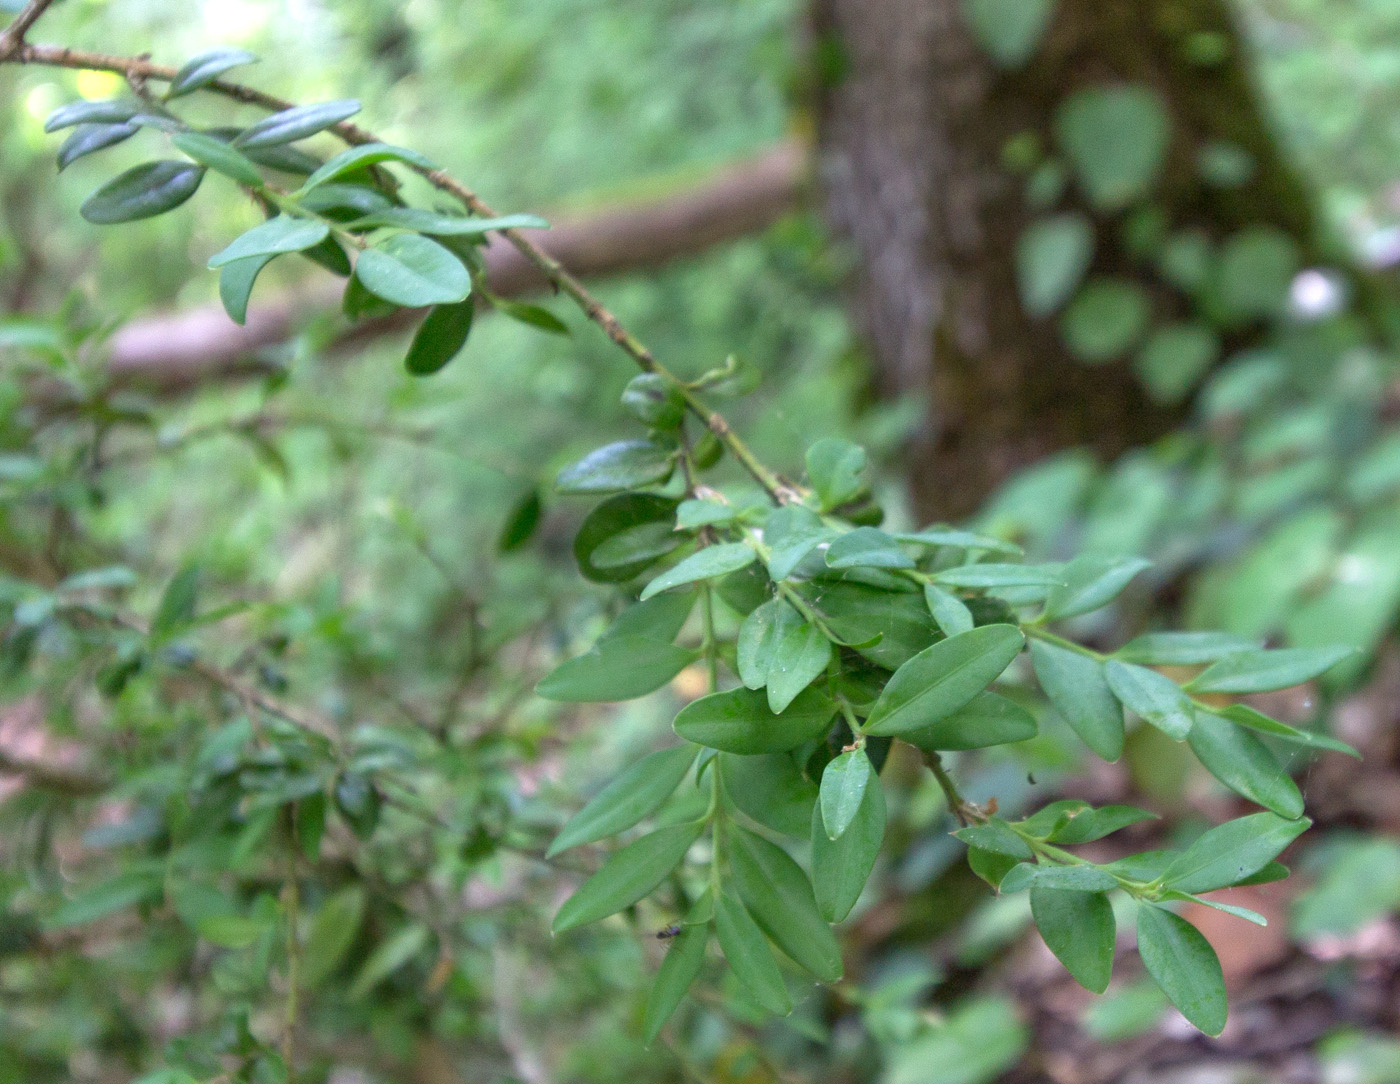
(913, 125)
(174, 352)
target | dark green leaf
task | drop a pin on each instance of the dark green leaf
(610, 519)
(1078, 927)
(1155, 698)
(660, 619)
(1244, 764)
(841, 867)
(992, 575)
(1244, 715)
(143, 191)
(412, 271)
(114, 111)
(219, 156)
(89, 138)
(986, 720)
(749, 956)
(843, 789)
(203, 69)
(1184, 965)
(683, 962)
(779, 897)
(440, 337)
(1088, 825)
(236, 285)
(389, 956)
(296, 123)
(618, 668)
(534, 316)
(799, 657)
(627, 800)
(867, 547)
(628, 875)
(740, 721)
(1264, 671)
(1079, 691)
(771, 790)
(522, 522)
(1233, 851)
(625, 464)
(943, 678)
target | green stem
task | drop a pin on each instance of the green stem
(1037, 633)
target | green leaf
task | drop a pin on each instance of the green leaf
(1116, 137)
(942, 678)
(236, 281)
(997, 837)
(1254, 274)
(1359, 883)
(888, 628)
(125, 890)
(1091, 581)
(334, 928)
(704, 513)
(440, 337)
(628, 875)
(1078, 927)
(627, 800)
(1052, 256)
(954, 538)
(624, 464)
(610, 520)
(390, 955)
(1068, 878)
(201, 70)
(1231, 852)
(1244, 764)
(655, 401)
(835, 468)
(1155, 698)
(749, 956)
(534, 316)
(442, 225)
(840, 867)
(89, 138)
(987, 719)
(1264, 671)
(1244, 715)
(521, 524)
(948, 610)
(1079, 691)
(617, 668)
(740, 721)
(113, 111)
(366, 154)
(706, 564)
(177, 603)
(799, 657)
(412, 271)
(1105, 320)
(867, 547)
(220, 157)
(843, 789)
(273, 237)
(1174, 359)
(683, 962)
(772, 790)
(779, 897)
(143, 191)
(1087, 825)
(660, 619)
(1184, 965)
(1009, 30)
(981, 1039)
(1182, 648)
(296, 123)
(791, 533)
(993, 575)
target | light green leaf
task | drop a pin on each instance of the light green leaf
(706, 564)
(110, 111)
(1009, 30)
(997, 837)
(1174, 359)
(1184, 965)
(740, 721)
(799, 658)
(660, 619)
(437, 224)
(1359, 882)
(1153, 697)
(366, 154)
(143, 191)
(220, 157)
(1078, 927)
(979, 1041)
(1116, 137)
(758, 640)
(624, 464)
(1087, 825)
(1105, 320)
(840, 867)
(1182, 648)
(1091, 581)
(296, 123)
(124, 890)
(412, 271)
(627, 800)
(333, 930)
(835, 468)
(1052, 256)
(273, 237)
(993, 575)
(1078, 689)
(948, 610)
(617, 668)
(791, 533)
(1244, 764)
(628, 875)
(201, 70)
(390, 955)
(1264, 671)
(867, 547)
(1244, 715)
(779, 897)
(749, 956)
(843, 789)
(942, 678)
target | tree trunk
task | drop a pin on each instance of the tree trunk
(919, 135)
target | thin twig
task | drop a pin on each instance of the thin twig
(12, 40)
(139, 68)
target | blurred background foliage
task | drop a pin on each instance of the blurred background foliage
(356, 512)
